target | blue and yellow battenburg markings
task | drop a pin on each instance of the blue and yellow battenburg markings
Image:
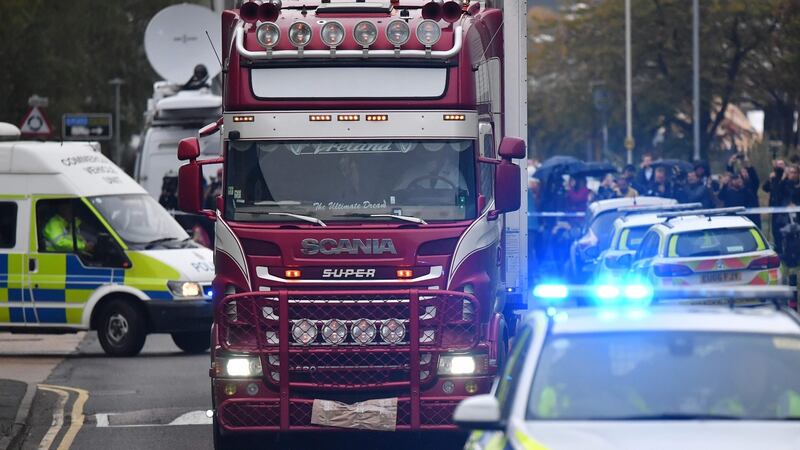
(62, 278)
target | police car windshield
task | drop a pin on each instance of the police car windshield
(667, 376)
(351, 180)
(139, 220)
(716, 242)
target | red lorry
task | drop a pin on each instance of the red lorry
(367, 245)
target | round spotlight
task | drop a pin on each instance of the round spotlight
(428, 33)
(334, 331)
(268, 34)
(363, 331)
(397, 32)
(332, 34)
(300, 34)
(365, 33)
(304, 331)
(393, 331)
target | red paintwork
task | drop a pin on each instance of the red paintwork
(285, 405)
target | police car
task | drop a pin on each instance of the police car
(82, 246)
(627, 235)
(624, 375)
(706, 247)
(597, 229)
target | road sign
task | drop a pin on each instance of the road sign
(35, 124)
(86, 127)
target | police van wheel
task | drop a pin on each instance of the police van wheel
(192, 342)
(121, 328)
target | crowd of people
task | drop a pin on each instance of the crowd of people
(739, 185)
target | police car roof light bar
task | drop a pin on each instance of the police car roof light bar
(633, 210)
(704, 212)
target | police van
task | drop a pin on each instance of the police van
(83, 247)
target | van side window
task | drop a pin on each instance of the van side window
(66, 226)
(8, 224)
(649, 247)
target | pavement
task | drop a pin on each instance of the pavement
(25, 361)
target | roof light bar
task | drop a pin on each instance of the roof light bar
(240, 119)
(455, 117)
(377, 117)
(319, 118)
(348, 118)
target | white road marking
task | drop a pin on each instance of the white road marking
(58, 418)
(199, 417)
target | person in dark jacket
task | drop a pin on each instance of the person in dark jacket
(696, 192)
(746, 171)
(660, 186)
(734, 193)
(782, 187)
(645, 175)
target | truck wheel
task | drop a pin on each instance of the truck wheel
(222, 442)
(121, 328)
(193, 342)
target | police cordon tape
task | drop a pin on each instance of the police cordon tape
(748, 211)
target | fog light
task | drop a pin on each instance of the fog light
(300, 34)
(397, 32)
(365, 33)
(230, 389)
(471, 387)
(334, 331)
(268, 34)
(363, 331)
(304, 331)
(393, 331)
(252, 389)
(332, 34)
(448, 387)
(428, 33)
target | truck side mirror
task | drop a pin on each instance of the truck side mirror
(507, 194)
(189, 149)
(190, 187)
(512, 148)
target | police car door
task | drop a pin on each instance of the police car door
(14, 306)
(62, 274)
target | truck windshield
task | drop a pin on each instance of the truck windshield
(140, 221)
(351, 180)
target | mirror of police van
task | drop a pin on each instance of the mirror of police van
(105, 252)
(481, 412)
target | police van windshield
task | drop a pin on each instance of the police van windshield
(351, 180)
(140, 221)
(622, 376)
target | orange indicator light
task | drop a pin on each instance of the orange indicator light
(349, 117)
(319, 118)
(377, 118)
(405, 273)
(459, 117)
(292, 273)
(238, 119)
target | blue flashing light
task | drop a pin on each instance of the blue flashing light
(638, 292)
(607, 292)
(209, 292)
(551, 291)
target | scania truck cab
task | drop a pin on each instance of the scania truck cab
(366, 242)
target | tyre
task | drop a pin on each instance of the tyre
(221, 441)
(192, 342)
(121, 328)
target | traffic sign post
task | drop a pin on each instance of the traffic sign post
(86, 127)
(35, 124)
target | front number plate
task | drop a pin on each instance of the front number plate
(378, 414)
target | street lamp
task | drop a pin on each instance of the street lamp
(696, 77)
(629, 142)
(116, 154)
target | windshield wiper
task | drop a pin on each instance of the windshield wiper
(299, 216)
(676, 416)
(151, 244)
(411, 219)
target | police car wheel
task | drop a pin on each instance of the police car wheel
(192, 341)
(121, 328)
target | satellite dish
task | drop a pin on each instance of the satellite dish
(175, 42)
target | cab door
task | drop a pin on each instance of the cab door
(63, 268)
(15, 307)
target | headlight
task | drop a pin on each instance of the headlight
(393, 331)
(397, 32)
(462, 364)
(365, 33)
(300, 34)
(185, 289)
(428, 33)
(239, 366)
(332, 34)
(268, 34)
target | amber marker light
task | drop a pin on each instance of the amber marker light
(377, 118)
(239, 119)
(349, 117)
(292, 273)
(405, 273)
(457, 117)
(319, 118)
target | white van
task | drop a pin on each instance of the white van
(82, 246)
